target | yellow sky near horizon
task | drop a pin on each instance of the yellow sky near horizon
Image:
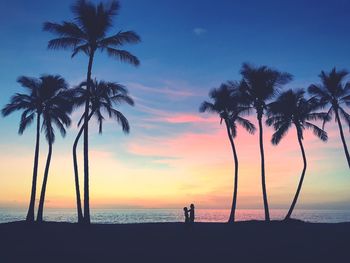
(202, 173)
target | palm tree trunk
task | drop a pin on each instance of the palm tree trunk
(261, 142)
(342, 136)
(43, 188)
(301, 179)
(76, 175)
(86, 146)
(30, 214)
(235, 187)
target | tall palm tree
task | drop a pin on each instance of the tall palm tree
(56, 111)
(33, 103)
(225, 104)
(292, 109)
(103, 97)
(258, 86)
(87, 34)
(334, 92)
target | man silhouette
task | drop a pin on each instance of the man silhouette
(191, 213)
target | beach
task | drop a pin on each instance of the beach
(249, 241)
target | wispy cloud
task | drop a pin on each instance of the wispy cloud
(162, 116)
(165, 90)
(199, 31)
(178, 118)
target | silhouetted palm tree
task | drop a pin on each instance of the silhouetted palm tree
(103, 97)
(334, 92)
(33, 105)
(292, 109)
(87, 34)
(56, 111)
(225, 103)
(259, 85)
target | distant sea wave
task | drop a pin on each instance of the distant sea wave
(125, 216)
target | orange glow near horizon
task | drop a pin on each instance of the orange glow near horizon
(197, 167)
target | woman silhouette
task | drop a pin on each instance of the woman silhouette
(187, 219)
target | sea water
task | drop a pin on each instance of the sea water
(125, 216)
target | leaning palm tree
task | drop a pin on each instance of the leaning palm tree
(33, 103)
(292, 109)
(56, 111)
(87, 34)
(103, 97)
(258, 86)
(334, 92)
(225, 104)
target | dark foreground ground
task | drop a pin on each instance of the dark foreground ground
(173, 242)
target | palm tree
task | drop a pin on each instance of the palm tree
(292, 109)
(334, 92)
(103, 96)
(39, 92)
(225, 104)
(259, 85)
(87, 34)
(56, 111)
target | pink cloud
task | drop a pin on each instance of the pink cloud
(185, 118)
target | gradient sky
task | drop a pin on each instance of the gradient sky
(174, 155)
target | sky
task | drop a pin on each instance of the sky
(175, 155)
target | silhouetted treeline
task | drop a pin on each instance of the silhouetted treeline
(260, 92)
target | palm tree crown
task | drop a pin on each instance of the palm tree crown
(260, 84)
(45, 96)
(291, 108)
(225, 102)
(335, 92)
(104, 96)
(88, 32)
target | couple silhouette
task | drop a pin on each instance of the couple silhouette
(189, 214)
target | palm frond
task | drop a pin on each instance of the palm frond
(66, 29)
(27, 82)
(317, 131)
(345, 116)
(246, 124)
(19, 102)
(123, 56)
(119, 39)
(318, 91)
(26, 121)
(85, 48)
(207, 107)
(318, 116)
(64, 43)
(122, 120)
(280, 133)
(48, 129)
(123, 98)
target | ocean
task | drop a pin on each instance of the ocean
(125, 216)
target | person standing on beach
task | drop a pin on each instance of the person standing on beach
(191, 213)
(187, 219)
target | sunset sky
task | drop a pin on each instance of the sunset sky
(175, 155)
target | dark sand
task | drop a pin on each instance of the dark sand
(251, 241)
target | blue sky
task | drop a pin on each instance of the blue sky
(187, 45)
(187, 48)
